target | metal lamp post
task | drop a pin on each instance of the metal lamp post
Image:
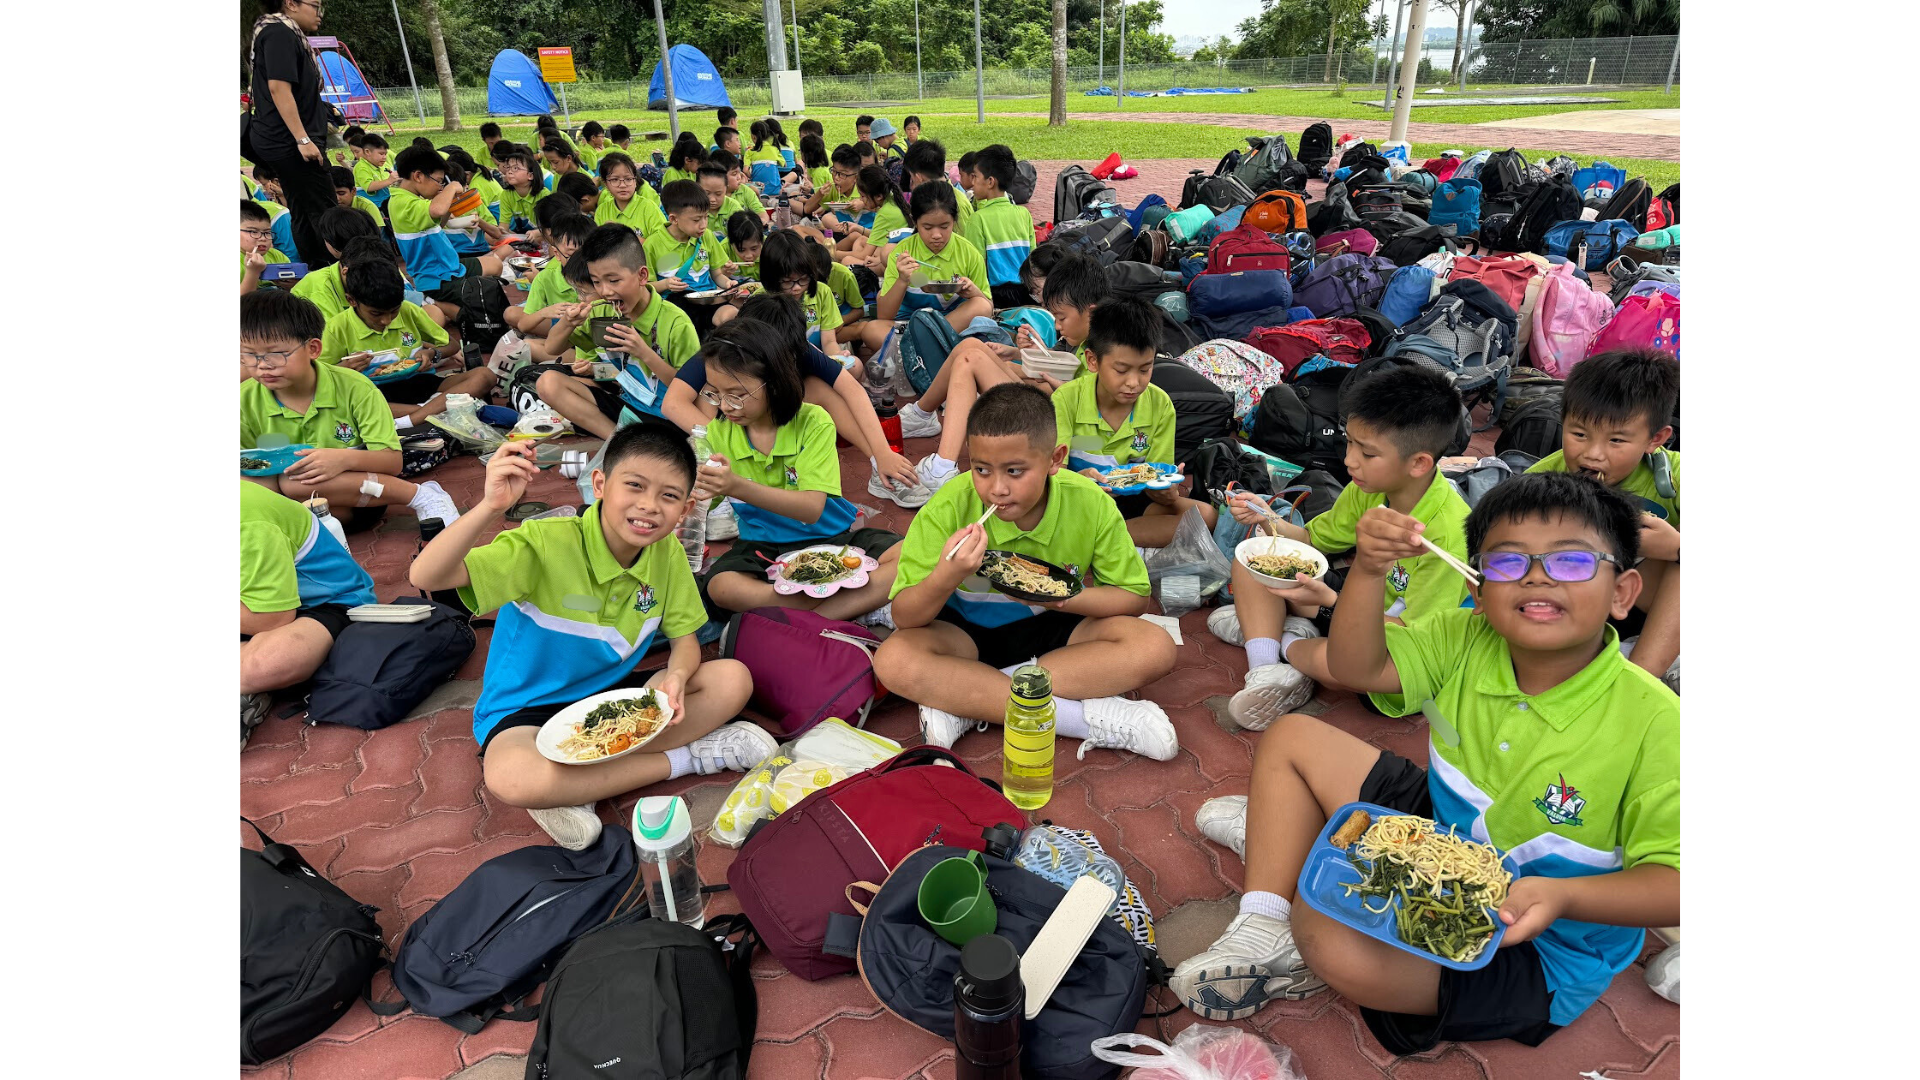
(420, 107)
(666, 73)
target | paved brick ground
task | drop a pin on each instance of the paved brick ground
(398, 817)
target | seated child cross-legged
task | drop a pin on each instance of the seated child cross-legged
(934, 252)
(774, 460)
(580, 601)
(355, 458)
(959, 641)
(681, 256)
(1114, 416)
(1543, 705)
(379, 319)
(1398, 424)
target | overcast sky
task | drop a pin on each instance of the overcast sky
(1206, 18)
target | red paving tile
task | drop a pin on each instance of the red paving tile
(398, 817)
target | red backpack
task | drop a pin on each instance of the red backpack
(1246, 248)
(793, 875)
(1342, 340)
(806, 667)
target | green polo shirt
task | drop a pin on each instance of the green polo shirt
(513, 204)
(642, 215)
(366, 172)
(288, 560)
(669, 174)
(323, 290)
(823, 311)
(1639, 483)
(665, 255)
(887, 220)
(371, 209)
(346, 333)
(1145, 435)
(766, 152)
(347, 413)
(1081, 529)
(1582, 779)
(965, 203)
(745, 198)
(549, 286)
(846, 287)
(803, 458)
(1416, 587)
(1003, 232)
(959, 259)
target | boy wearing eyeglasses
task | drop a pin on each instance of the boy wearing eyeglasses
(1545, 742)
(256, 245)
(1620, 407)
(1399, 424)
(421, 202)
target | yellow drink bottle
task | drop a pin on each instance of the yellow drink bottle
(1026, 767)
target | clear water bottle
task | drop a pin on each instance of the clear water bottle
(324, 516)
(663, 833)
(692, 532)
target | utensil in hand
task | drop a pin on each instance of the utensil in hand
(981, 521)
(1468, 572)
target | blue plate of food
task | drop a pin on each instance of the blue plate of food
(1397, 878)
(271, 461)
(1135, 478)
(386, 367)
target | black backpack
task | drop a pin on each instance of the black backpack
(1139, 280)
(1218, 462)
(1073, 189)
(1229, 161)
(377, 672)
(1412, 245)
(1219, 193)
(1629, 204)
(1201, 410)
(645, 999)
(1301, 421)
(483, 311)
(307, 950)
(1502, 175)
(1107, 239)
(1333, 212)
(1547, 204)
(484, 946)
(1025, 178)
(1532, 428)
(1316, 146)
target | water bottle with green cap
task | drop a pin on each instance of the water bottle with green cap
(663, 833)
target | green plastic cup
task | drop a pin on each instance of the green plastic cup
(954, 901)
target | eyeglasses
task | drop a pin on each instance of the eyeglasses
(267, 361)
(318, 6)
(795, 284)
(730, 401)
(1566, 566)
(257, 234)
(624, 181)
(440, 181)
(844, 174)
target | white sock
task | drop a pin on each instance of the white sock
(1262, 651)
(679, 762)
(1286, 642)
(402, 423)
(934, 460)
(915, 406)
(1070, 718)
(1266, 903)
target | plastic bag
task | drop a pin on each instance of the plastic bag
(1192, 554)
(828, 753)
(462, 421)
(1202, 1052)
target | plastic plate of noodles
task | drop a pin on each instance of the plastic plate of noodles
(1024, 577)
(604, 726)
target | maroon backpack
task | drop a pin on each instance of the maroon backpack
(1341, 340)
(1246, 248)
(792, 876)
(806, 667)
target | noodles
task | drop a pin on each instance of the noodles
(614, 727)
(391, 366)
(1023, 575)
(1437, 884)
(820, 567)
(1142, 473)
(1288, 566)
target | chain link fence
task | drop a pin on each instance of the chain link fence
(1634, 61)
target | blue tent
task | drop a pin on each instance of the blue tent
(696, 82)
(345, 88)
(515, 88)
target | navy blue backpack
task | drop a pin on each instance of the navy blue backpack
(1409, 290)
(1605, 240)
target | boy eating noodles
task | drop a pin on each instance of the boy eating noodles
(1554, 750)
(1115, 417)
(1398, 424)
(959, 640)
(581, 600)
(1619, 410)
(681, 255)
(378, 318)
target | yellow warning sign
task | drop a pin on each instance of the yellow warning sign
(556, 65)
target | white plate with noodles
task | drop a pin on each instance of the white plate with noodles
(599, 728)
(1278, 562)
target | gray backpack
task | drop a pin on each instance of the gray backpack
(1474, 482)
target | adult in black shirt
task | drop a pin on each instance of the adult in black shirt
(290, 118)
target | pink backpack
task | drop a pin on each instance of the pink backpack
(1568, 316)
(1241, 370)
(1642, 322)
(806, 667)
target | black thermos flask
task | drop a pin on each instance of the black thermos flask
(988, 1003)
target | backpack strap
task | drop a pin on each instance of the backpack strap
(738, 956)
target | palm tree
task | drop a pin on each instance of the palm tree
(442, 68)
(1057, 106)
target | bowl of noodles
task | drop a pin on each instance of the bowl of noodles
(1024, 577)
(1280, 563)
(821, 570)
(604, 726)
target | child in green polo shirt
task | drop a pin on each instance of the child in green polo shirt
(593, 144)
(681, 256)
(774, 460)
(787, 266)
(523, 184)
(934, 252)
(378, 318)
(581, 600)
(1000, 229)
(354, 458)
(1544, 743)
(1399, 423)
(626, 200)
(256, 245)
(1620, 408)
(1114, 417)
(926, 161)
(742, 193)
(683, 161)
(370, 172)
(549, 290)
(656, 338)
(346, 194)
(959, 639)
(1076, 288)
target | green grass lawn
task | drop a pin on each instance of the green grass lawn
(1315, 103)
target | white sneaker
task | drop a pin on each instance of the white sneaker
(1663, 973)
(943, 729)
(916, 424)
(1224, 821)
(1299, 626)
(1117, 723)
(1271, 691)
(721, 522)
(432, 501)
(910, 497)
(1224, 623)
(735, 747)
(1253, 963)
(935, 471)
(572, 827)
(880, 616)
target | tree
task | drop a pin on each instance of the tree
(1512, 20)
(1057, 99)
(1459, 30)
(442, 68)
(1338, 11)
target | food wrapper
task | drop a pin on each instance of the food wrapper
(461, 420)
(1202, 1052)
(828, 753)
(1189, 568)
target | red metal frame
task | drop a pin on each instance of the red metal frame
(323, 43)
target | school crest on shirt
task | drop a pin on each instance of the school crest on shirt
(343, 432)
(1398, 578)
(1073, 571)
(643, 600)
(1562, 803)
(1139, 442)
(408, 339)
(793, 477)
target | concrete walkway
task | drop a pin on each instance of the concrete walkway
(1615, 121)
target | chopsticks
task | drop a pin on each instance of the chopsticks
(982, 521)
(1468, 572)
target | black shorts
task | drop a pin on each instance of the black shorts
(1019, 641)
(1011, 294)
(331, 616)
(536, 715)
(449, 290)
(752, 557)
(415, 390)
(1132, 506)
(1507, 999)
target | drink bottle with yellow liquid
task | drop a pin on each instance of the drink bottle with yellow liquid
(1026, 769)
